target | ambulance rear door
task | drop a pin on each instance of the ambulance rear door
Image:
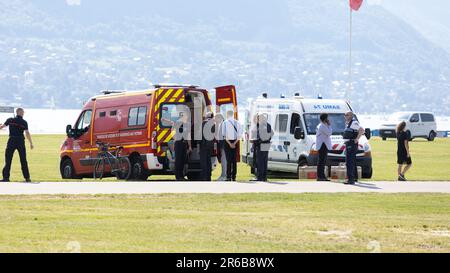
(226, 100)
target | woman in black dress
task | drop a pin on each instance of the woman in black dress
(403, 155)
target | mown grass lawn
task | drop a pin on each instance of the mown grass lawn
(226, 223)
(431, 161)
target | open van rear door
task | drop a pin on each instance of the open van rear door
(226, 100)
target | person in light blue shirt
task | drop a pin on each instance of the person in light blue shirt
(323, 145)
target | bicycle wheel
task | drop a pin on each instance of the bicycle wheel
(123, 168)
(99, 168)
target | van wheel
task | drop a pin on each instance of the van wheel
(384, 139)
(432, 136)
(138, 171)
(367, 172)
(67, 170)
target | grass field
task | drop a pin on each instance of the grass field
(226, 223)
(431, 160)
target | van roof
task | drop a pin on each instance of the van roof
(413, 112)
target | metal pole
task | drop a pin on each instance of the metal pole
(350, 84)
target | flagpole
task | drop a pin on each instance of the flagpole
(350, 57)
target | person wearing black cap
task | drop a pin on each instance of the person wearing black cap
(16, 141)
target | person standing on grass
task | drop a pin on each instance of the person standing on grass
(262, 146)
(232, 132)
(207, 146)
(16, 141)
(353, 132)
(221, 146)
(323, 145)
(403, 155)
(253, 138)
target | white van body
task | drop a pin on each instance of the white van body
(418, 125)
(287, 153)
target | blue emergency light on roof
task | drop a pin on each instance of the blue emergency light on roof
(264, 95)
(320, 97)
(282, 96)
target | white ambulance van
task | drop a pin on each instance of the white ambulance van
(294, 122)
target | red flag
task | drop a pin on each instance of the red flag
(355, 4)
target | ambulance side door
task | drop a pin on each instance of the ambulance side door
(226, 100)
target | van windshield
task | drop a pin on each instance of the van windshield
(337, 123)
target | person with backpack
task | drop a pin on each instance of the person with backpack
(352, 133)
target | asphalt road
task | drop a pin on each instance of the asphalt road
(89, 188)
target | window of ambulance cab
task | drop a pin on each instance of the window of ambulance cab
(84, 122)
(295, 122)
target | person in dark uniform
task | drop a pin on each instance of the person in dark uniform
(264, 135)
(353, 132)
(182, 145)
(207, 146)
(253, 140)
(403, 155)
(16, 141)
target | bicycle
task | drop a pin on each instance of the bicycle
(119, 166)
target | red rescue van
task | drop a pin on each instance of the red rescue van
(137, 121)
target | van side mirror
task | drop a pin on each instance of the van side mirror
(368, 133)
(69, 130)
(299, 133)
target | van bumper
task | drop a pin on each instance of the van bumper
(388, 133)
(364, 162)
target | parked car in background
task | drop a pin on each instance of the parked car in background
(418, 125)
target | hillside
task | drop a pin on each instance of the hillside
(57, 54)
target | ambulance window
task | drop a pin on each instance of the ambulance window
(113, 113)
(85, 120)
(102, 114)
(137, 115)
(142, 113)
(295, 122)
(169, 113)
(281, 123)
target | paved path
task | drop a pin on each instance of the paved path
(217, 187)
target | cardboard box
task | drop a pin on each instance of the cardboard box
(309, 172)
(340, 172)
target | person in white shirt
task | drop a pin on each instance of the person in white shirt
(220, 142)
(353, 132)
(232, 131)
(323, 145)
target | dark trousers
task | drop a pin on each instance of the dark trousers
(180, 159)
(323, 156)
(16, 143)
(231, 162)
(205, 160)
(262, 158)
(350, 159)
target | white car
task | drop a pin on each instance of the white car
(418, 125)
